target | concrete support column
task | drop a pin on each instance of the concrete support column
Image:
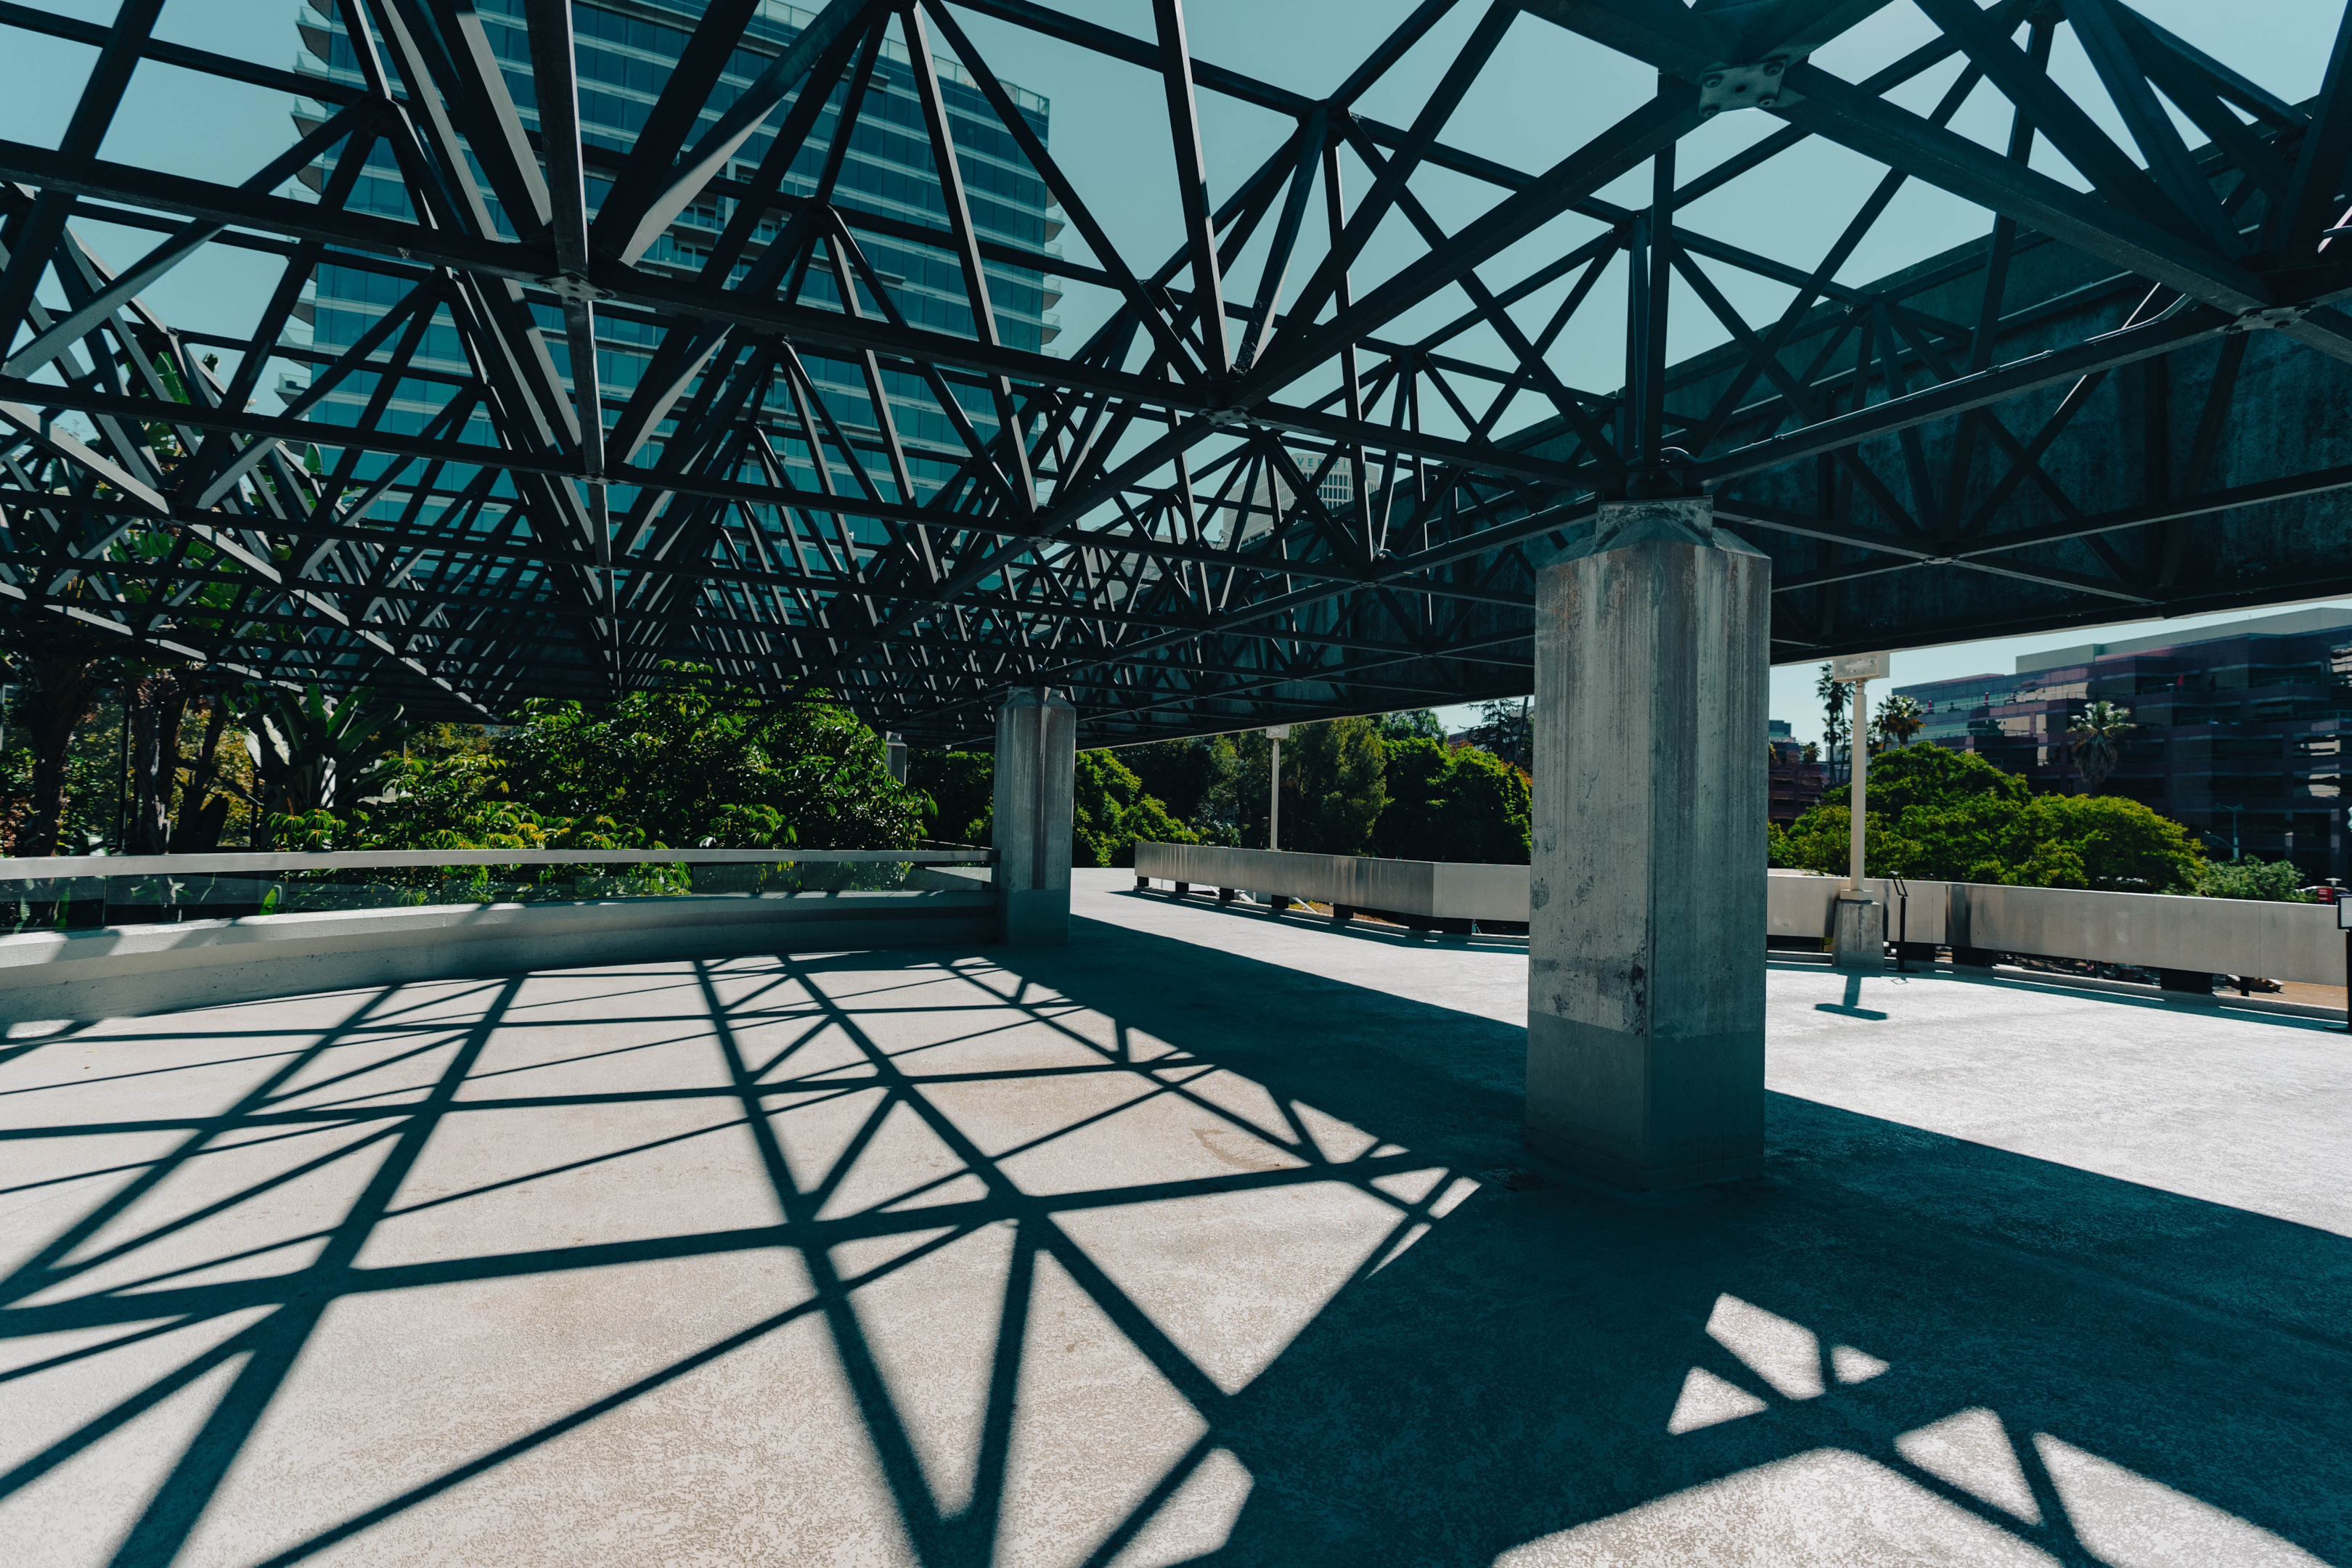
(1859, 940)
(1645, 950)
(1036, 772)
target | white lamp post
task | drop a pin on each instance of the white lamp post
(1859, 940)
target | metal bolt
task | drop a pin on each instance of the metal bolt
(1768, 100)
(1772, 67)
(1713, 82)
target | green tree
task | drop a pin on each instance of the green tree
(57, 690)
(1409, 724)
(1233, 810)
(1504, 728)
(1899, 717)
(316, 752)
(1461, 804)
(962, 789)
(2123, 845)
(2095, 738)
(1937, 776)
(1194, 778)
(1837, 709)
(689, 761)
(1110, 811)
(1334, 786)
(2276, 881)
(445, 795)
(1950, 816)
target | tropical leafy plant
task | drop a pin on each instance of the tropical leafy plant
(316, 752)
(1899, 717)
(2096, 740)
(1837, 707)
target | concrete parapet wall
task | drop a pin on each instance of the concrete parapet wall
(127, 970)
(1437, 890)
(2152, 930)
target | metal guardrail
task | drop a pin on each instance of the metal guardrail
(2147, 931)
(57, 868)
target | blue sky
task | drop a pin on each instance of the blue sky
(1544, 93)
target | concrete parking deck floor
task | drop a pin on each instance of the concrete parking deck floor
(1209, 1237)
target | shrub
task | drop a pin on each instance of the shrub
(2276, 881)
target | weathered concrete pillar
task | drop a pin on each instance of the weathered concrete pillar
(1645, 951)
(1036, 771)
(1858, 941)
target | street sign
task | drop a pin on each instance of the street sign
(1858, 667)
(1277, 731)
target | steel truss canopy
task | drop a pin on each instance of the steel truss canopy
(1307, 459)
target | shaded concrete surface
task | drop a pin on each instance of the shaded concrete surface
(1210, 1238)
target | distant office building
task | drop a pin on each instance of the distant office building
(625, 51)
(1796, 783)
(2239, 732)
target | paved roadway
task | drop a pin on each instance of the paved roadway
(1207, 1238)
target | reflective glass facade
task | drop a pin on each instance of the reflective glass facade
(625, 50)
(2240, 733)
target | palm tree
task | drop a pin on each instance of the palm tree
(2096, 740)
(1899, 719)
(1836, 703)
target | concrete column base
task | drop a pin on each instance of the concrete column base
(1860, 941)
(1645, 944)
(1035, 917)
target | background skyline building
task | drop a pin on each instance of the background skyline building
(2240, 732)
(624, 51)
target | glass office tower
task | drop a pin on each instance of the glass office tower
(625, 50)
(2240, 731)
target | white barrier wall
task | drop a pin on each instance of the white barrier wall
(2151, 931)
(117, 972)
(1437, 890)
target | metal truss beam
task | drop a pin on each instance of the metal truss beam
(1249, 494)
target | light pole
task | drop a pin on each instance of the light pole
(2235, 853)
(1859, 938)
(1278, 733)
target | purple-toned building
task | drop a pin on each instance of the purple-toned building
(2241, 732)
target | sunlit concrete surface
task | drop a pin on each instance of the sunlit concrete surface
(1208, 1238)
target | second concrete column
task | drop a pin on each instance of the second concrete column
(1036, 772)
(1645, 972)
